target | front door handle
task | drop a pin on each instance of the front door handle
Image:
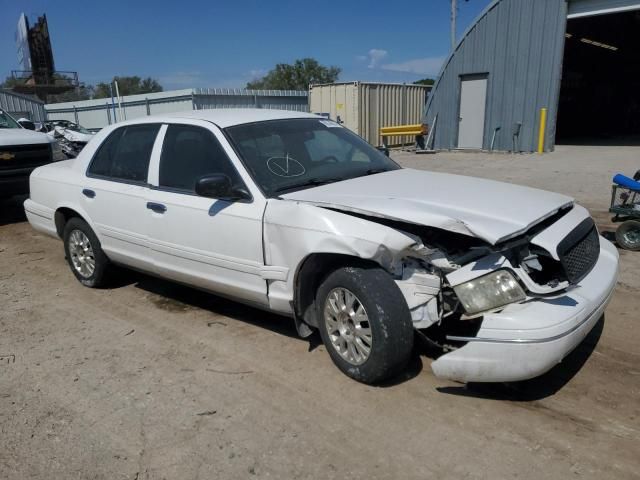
(88, 193)
(156, 207)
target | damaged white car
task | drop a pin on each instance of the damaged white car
(292, 213)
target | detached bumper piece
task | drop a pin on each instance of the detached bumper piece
(526, 340)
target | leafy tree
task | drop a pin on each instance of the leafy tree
(128, 86)
(297, 76)
(9, 83)
(83, 92)
(425, 81)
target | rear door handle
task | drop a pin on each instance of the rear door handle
(88, 193)
(156, 207)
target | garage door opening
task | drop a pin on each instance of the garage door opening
(600, 92)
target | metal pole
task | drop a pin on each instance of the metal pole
(454, 15)
(543, 130)
(122, 117)
(113, 104)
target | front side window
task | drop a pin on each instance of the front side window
(190, 153)
(125, 154)
(287, 155)
(7, 121)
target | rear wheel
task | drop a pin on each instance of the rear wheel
(365, 323)
(628, 235)
(85, 256)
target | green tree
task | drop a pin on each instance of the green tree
(297, 76)
(128, 86)
(9, 83)
(425, 81)
(83, 92)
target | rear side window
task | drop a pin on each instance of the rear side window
(125, 154)
(190, 153)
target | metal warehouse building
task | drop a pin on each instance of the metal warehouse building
(578, 59)
(22, 106)
(96, 114)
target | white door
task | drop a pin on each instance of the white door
(473, 99)
(115, 190)
(208, 243)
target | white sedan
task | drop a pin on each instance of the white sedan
(295, 214)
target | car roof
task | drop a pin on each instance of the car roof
(227, 117)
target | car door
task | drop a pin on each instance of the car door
(208, 243)
(115, 190)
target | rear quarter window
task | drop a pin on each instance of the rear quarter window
(125, 154)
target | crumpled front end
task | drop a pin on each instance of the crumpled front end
(503, 311)
(523, 341)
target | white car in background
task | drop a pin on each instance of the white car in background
(72, 137)
(295, 214)
(22, 150)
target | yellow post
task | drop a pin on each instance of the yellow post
(543, 130)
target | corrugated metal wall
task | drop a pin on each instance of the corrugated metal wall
(22, 106)
(294, 100)
(96, 114)
(366, 107)
(519, 44)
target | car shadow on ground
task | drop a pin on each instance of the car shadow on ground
(176, 298)
(173, 297)
(537, 388)
(11, 210)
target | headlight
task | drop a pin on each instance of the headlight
(489, 292)
(56, 152)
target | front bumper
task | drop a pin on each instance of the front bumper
(526, 340)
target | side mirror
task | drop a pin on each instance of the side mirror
(28, 124)
(219, 186)
(383, 149)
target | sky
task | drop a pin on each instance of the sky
(226, 43)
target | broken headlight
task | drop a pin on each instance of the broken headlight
(489, 292)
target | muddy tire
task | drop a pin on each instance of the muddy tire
(364, 323)
(628, 235)
(84, 254)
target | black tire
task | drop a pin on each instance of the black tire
(98, 277)
(389, 321)
(628, 235)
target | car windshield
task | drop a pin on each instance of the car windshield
(288, 155)
(7, 121)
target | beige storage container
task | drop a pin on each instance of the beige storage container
(366, 107)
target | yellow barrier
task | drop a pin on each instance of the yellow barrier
(543, 130)
(416, 129)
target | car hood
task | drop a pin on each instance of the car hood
(21, 136)
(74, 136)
(486, 209)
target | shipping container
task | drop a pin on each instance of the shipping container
(365, 107)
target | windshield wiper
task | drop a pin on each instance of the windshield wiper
(312, 182)
(373, 171)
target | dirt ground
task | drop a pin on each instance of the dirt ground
(149, 380)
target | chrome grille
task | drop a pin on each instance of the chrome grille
(24, 156)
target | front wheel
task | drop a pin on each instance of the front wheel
(85, 256)
(365, 323)
(628, 235)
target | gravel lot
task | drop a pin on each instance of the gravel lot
(149, 380)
